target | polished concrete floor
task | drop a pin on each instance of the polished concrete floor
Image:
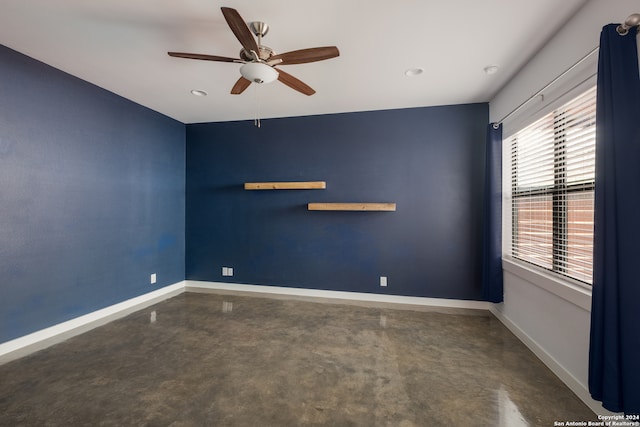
(230, 360)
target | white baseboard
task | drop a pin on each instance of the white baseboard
(361, 297)
(44, 338)
(565, 376)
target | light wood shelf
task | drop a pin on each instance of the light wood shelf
(293, 185)
(389, 207)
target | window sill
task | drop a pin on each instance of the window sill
(563, 288)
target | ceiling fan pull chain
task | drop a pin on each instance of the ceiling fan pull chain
(256, 120)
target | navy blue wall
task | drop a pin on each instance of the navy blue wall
(91, 197)
(429, 161)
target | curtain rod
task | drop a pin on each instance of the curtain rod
(632, 21)
(547, 86)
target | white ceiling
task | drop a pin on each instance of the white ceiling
(121, 45)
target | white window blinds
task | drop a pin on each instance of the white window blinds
(552, 189)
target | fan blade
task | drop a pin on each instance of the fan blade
(303, 56)
(294, 83)
(203, 57)
(240, 86)
(240, 29)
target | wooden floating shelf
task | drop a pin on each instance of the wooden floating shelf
(390, 207)
(298, 185)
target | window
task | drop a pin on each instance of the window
(552, 189)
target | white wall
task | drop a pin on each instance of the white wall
(552, 316)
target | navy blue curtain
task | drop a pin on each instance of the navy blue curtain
(614, 354)
(492, 217)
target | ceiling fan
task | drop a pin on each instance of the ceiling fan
(259, 61)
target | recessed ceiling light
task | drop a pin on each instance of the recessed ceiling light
(491, 69)
(413, 72)
(198, 92)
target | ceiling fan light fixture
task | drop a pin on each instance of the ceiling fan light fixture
(258, 72)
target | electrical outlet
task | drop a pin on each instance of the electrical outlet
(224, 271)
(154, 278)
(383, 280)
(229, 271)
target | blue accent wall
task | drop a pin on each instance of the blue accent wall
(92, 197)
(430, 161)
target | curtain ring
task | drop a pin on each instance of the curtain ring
(496, 126)
(623, 30)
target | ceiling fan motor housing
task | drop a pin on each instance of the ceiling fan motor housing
(264, 53)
